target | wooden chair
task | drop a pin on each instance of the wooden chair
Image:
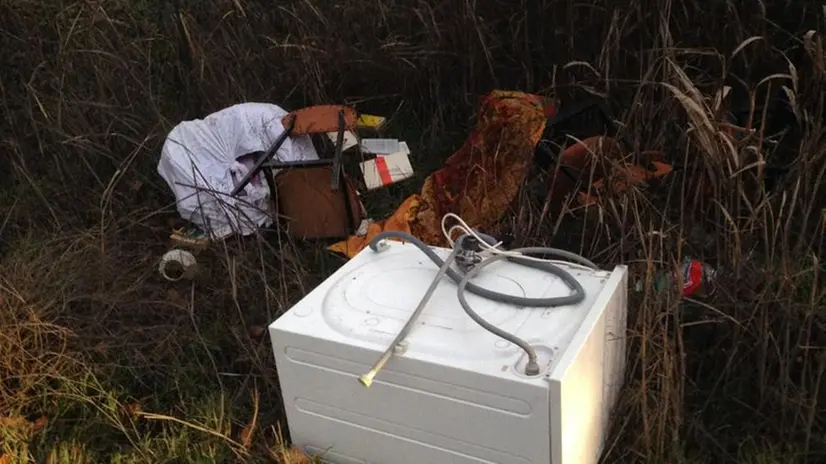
(313, 210)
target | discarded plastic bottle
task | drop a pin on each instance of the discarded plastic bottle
(695, 277)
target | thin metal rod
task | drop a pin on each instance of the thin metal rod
(339, 148)
(266, 157)
(367, 379)
(304, 164)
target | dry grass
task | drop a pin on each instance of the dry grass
(100, 360)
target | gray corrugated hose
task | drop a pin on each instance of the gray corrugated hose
(463, 282)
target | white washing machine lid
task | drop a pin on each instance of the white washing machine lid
(369, 300)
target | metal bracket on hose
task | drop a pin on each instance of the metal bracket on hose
(468, 256)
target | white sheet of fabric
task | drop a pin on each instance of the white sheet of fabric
(200, 163)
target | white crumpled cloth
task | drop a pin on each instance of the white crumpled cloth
(203, 160)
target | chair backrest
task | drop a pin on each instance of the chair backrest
(320, 119)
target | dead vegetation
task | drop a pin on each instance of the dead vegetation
(102, 360)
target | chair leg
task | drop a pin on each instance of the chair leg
(259, 165)
(348, 206)
(270, 179)
(339, 148)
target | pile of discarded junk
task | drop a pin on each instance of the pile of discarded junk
(255, 165)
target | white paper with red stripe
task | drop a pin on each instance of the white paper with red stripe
(387, 169)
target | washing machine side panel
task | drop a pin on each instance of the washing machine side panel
(584, 384)
(414, 411)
